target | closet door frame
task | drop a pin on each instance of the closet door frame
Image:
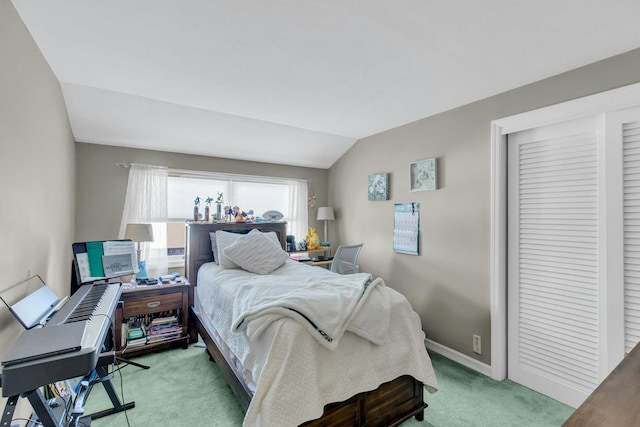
(593, 105)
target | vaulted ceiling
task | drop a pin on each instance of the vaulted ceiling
(298, 82)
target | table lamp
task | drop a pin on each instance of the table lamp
(139, 233)
(325, 214)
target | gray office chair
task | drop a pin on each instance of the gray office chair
(344, 261)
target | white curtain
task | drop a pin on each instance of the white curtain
(298, 221)
(146, 203)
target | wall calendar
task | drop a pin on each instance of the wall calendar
(406, 224)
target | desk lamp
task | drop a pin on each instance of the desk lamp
(325, 214)
(139, 233)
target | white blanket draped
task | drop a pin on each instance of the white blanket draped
(295, 376)
(325, 306)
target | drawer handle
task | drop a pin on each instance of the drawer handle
(153, 304)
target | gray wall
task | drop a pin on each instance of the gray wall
(101, 185)
(448, 283)
(37, 173)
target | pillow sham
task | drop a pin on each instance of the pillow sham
(214, 246)
(256, 253)
(225, 239)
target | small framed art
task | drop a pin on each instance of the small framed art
(424, 175)
(378, 186)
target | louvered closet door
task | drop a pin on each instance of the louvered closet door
(629, 124)
(554, 258)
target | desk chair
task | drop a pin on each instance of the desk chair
(344, 261)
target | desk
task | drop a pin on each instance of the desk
(323, 250)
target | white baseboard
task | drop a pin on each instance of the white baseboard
(458, 357)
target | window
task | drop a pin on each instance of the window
(259, 194)
(247, 195)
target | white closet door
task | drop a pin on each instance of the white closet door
(631, 177)
(554, 259)
(623, 137)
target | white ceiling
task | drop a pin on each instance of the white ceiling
(298, 82)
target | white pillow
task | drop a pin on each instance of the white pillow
(214, 246)
(256, 253)
(225, 239)
(270, 234)
(222, 239)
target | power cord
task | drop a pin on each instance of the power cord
(126, 415)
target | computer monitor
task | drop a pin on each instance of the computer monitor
(103, 260)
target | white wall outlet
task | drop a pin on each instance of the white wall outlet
(477, 344)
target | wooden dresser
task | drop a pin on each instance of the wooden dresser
(615, 401)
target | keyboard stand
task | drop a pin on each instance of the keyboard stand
(52, 412)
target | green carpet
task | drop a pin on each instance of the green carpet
(467, 398)
(184, 388)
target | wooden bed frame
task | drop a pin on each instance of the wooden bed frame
(388, 405)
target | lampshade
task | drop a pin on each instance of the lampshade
(326, 213)
(139, 232)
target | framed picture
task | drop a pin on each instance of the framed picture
(424, 175)
(378, 186)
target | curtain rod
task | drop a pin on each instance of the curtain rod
(199, 174)
(204, 174)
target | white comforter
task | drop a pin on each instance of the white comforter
(295, 375)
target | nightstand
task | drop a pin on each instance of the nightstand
(158, 312)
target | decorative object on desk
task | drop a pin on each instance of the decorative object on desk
(206, 208)
(140, 233)
(273, 216)
(378, 186)
(325, 214)
(196, 215)
(219, 206)
(312, 240)
(406, 225)
(424, 175)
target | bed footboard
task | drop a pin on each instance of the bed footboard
(388, 405)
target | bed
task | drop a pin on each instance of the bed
(279, 367)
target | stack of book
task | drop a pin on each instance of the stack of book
(135, 335)
(163, 329)
(137, 342)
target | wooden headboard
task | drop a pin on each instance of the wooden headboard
(198, 243)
